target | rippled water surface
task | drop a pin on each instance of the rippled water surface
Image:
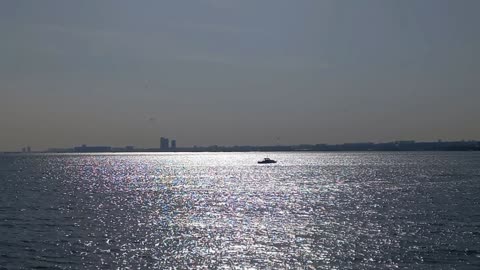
(225, 211)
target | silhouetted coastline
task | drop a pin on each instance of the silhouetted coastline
(389, 146)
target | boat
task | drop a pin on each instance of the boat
(267, 161)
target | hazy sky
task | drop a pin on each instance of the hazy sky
(237, 72)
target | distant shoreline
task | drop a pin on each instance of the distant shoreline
(397, 146)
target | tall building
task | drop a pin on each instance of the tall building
(164, 143)
(174, 144)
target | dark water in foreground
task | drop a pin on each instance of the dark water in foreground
(219, 210)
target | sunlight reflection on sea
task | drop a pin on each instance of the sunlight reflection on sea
(223, 210)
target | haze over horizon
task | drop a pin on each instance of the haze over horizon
(237, 72)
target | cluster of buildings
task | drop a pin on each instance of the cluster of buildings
(166, 145)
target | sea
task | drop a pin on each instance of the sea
(310, 210)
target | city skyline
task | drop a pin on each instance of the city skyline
(237, 72)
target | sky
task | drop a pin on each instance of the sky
(205, 72)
